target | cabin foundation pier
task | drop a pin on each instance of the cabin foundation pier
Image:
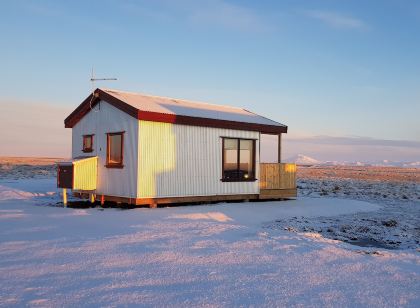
(65, 197)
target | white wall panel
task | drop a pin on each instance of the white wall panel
(105, 118)
(180, 160)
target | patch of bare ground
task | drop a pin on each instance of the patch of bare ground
(395, 226)
(366, 173)
(27, 167)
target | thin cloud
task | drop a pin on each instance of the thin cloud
(42, 9)
(357, 141)
(337, 20)
(228, 15)
(349, 148)
(206, 13)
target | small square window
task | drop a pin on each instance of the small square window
(87, 143)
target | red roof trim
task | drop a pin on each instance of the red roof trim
(85, 107)
(206, 122)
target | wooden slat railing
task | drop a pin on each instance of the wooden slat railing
(277, 176)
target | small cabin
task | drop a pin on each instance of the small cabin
(148, 150)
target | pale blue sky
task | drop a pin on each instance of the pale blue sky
(336, 68)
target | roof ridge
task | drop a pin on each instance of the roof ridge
(175, 99)
(145, 107)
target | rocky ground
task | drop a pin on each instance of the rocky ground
(365, 173)
(15, 168)
(395, 226)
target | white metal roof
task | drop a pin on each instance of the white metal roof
(182, 107)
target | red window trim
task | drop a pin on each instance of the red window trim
(115, 165)
(88, 150)
(253, 179)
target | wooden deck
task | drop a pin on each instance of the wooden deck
(277, 181)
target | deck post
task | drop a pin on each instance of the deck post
(65, 197)
(92, 197)
(279, 149)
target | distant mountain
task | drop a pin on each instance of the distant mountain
(415, 164)
(388, 163)
(304, 160)
(301, 159)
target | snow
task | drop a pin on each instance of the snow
(231, 254)
(16, 171)
(395, 225)
(304, 160)
(301, 159)
(166, 105)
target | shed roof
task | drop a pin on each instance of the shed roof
(179, 111)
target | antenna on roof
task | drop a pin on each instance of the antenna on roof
(92, 80)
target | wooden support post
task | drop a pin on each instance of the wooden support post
(153, 205)
(92, 198)
(65, 197)
(279, 149)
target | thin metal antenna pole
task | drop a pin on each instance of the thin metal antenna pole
(92, 80)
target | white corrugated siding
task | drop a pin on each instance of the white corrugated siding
(180, 160)
(105, 119)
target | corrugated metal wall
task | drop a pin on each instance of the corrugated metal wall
(85, 173)
(180, 160)
(105, 118)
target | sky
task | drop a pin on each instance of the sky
(343, 75)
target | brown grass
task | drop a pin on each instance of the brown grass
(387, 174)
(32, 161)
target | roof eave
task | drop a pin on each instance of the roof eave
(206, 122)
(90, 102)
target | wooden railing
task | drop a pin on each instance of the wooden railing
(277, 176)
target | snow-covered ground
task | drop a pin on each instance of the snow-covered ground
(27, 167)
(232, 254)
(305, 160)
(395, 225)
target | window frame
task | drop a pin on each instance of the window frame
(108, 163)
(254, 162)
(85, 149)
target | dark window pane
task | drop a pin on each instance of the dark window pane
(238, 159)
(246, 159)
(115, 150)
(230, 153)
(87, 142)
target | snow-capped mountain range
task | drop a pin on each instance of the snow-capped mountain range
(305, 160)
(301, 159)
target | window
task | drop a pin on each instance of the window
(238, 160)
(87, 143)
(114, 152)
